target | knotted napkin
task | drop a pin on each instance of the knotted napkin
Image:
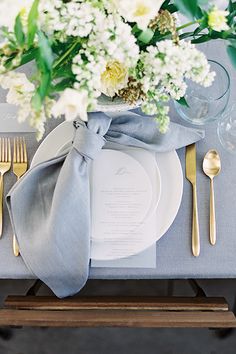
(50, 205)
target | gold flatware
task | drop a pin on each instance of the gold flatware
(5, 166)
(191, 176)
(20, 165)
(211, 167)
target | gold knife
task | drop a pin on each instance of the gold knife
(191, 176)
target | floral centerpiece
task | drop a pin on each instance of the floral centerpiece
(82, 49)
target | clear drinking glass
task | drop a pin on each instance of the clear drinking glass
(227, 129)
(206, 104)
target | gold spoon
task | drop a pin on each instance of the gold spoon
(212, 167)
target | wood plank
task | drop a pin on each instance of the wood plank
(116, 318)
(122, 303)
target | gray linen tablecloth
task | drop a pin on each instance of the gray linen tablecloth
(174, 258)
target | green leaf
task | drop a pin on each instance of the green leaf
(202, 39)
(135, 29)
(219, 35)
(42, 91)
(231, 17)
(186, 35)
(203, 25)
(183, 102)
(199, 13)
(231, 6)
(146, 36)
(44, 84)
(165, 4)
(36, 101)
(32, 22)
(62, 85)
(233, 42)
(29, 56)
(45, 59)
(203, 2)
(172, 8)
(232, 54)
(19, 33)
(189, 8)
(63, 71)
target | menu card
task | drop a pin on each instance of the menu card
(9, 122)
(126, 188)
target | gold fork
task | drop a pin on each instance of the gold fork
(20, 165)
(5, 165)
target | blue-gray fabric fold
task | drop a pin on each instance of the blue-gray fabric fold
(50, 206)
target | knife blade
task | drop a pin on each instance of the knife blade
(191, 163)
(191, 175)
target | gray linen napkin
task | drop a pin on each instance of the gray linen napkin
(50, 205)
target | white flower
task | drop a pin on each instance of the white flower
(20, 88)
(114, 78)
(217, 19)
(72, 104)
(9, 9)
(139, 11)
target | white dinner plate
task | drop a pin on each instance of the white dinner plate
(171, 187)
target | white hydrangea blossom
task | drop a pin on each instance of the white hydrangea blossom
(51, 19)
(9, 9)
(165, 67)
(139, 11)
(75, 18)
(168, 65)
(20, 93)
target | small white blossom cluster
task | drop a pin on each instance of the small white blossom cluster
(75, 18)
(9, 9)
(20, 93)
(114, 40)
(139, 11)
(51, 19)
(164, 71)
(168, 65)
(88, 74)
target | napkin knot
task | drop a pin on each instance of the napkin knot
(87, 142)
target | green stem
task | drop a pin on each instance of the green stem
(188, 24)
(65, 55)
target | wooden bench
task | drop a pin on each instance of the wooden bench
(172, 312)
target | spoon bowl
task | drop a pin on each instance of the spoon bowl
(212, 164)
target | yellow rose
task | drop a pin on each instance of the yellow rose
(217, 20)
(114, 78)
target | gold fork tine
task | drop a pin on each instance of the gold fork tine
(9, 149)
(14, 150)
(3, 150)
(17, 150)
(0, 149)
(25, 151)
(6, 150)
(21, 150)
(2, 155)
